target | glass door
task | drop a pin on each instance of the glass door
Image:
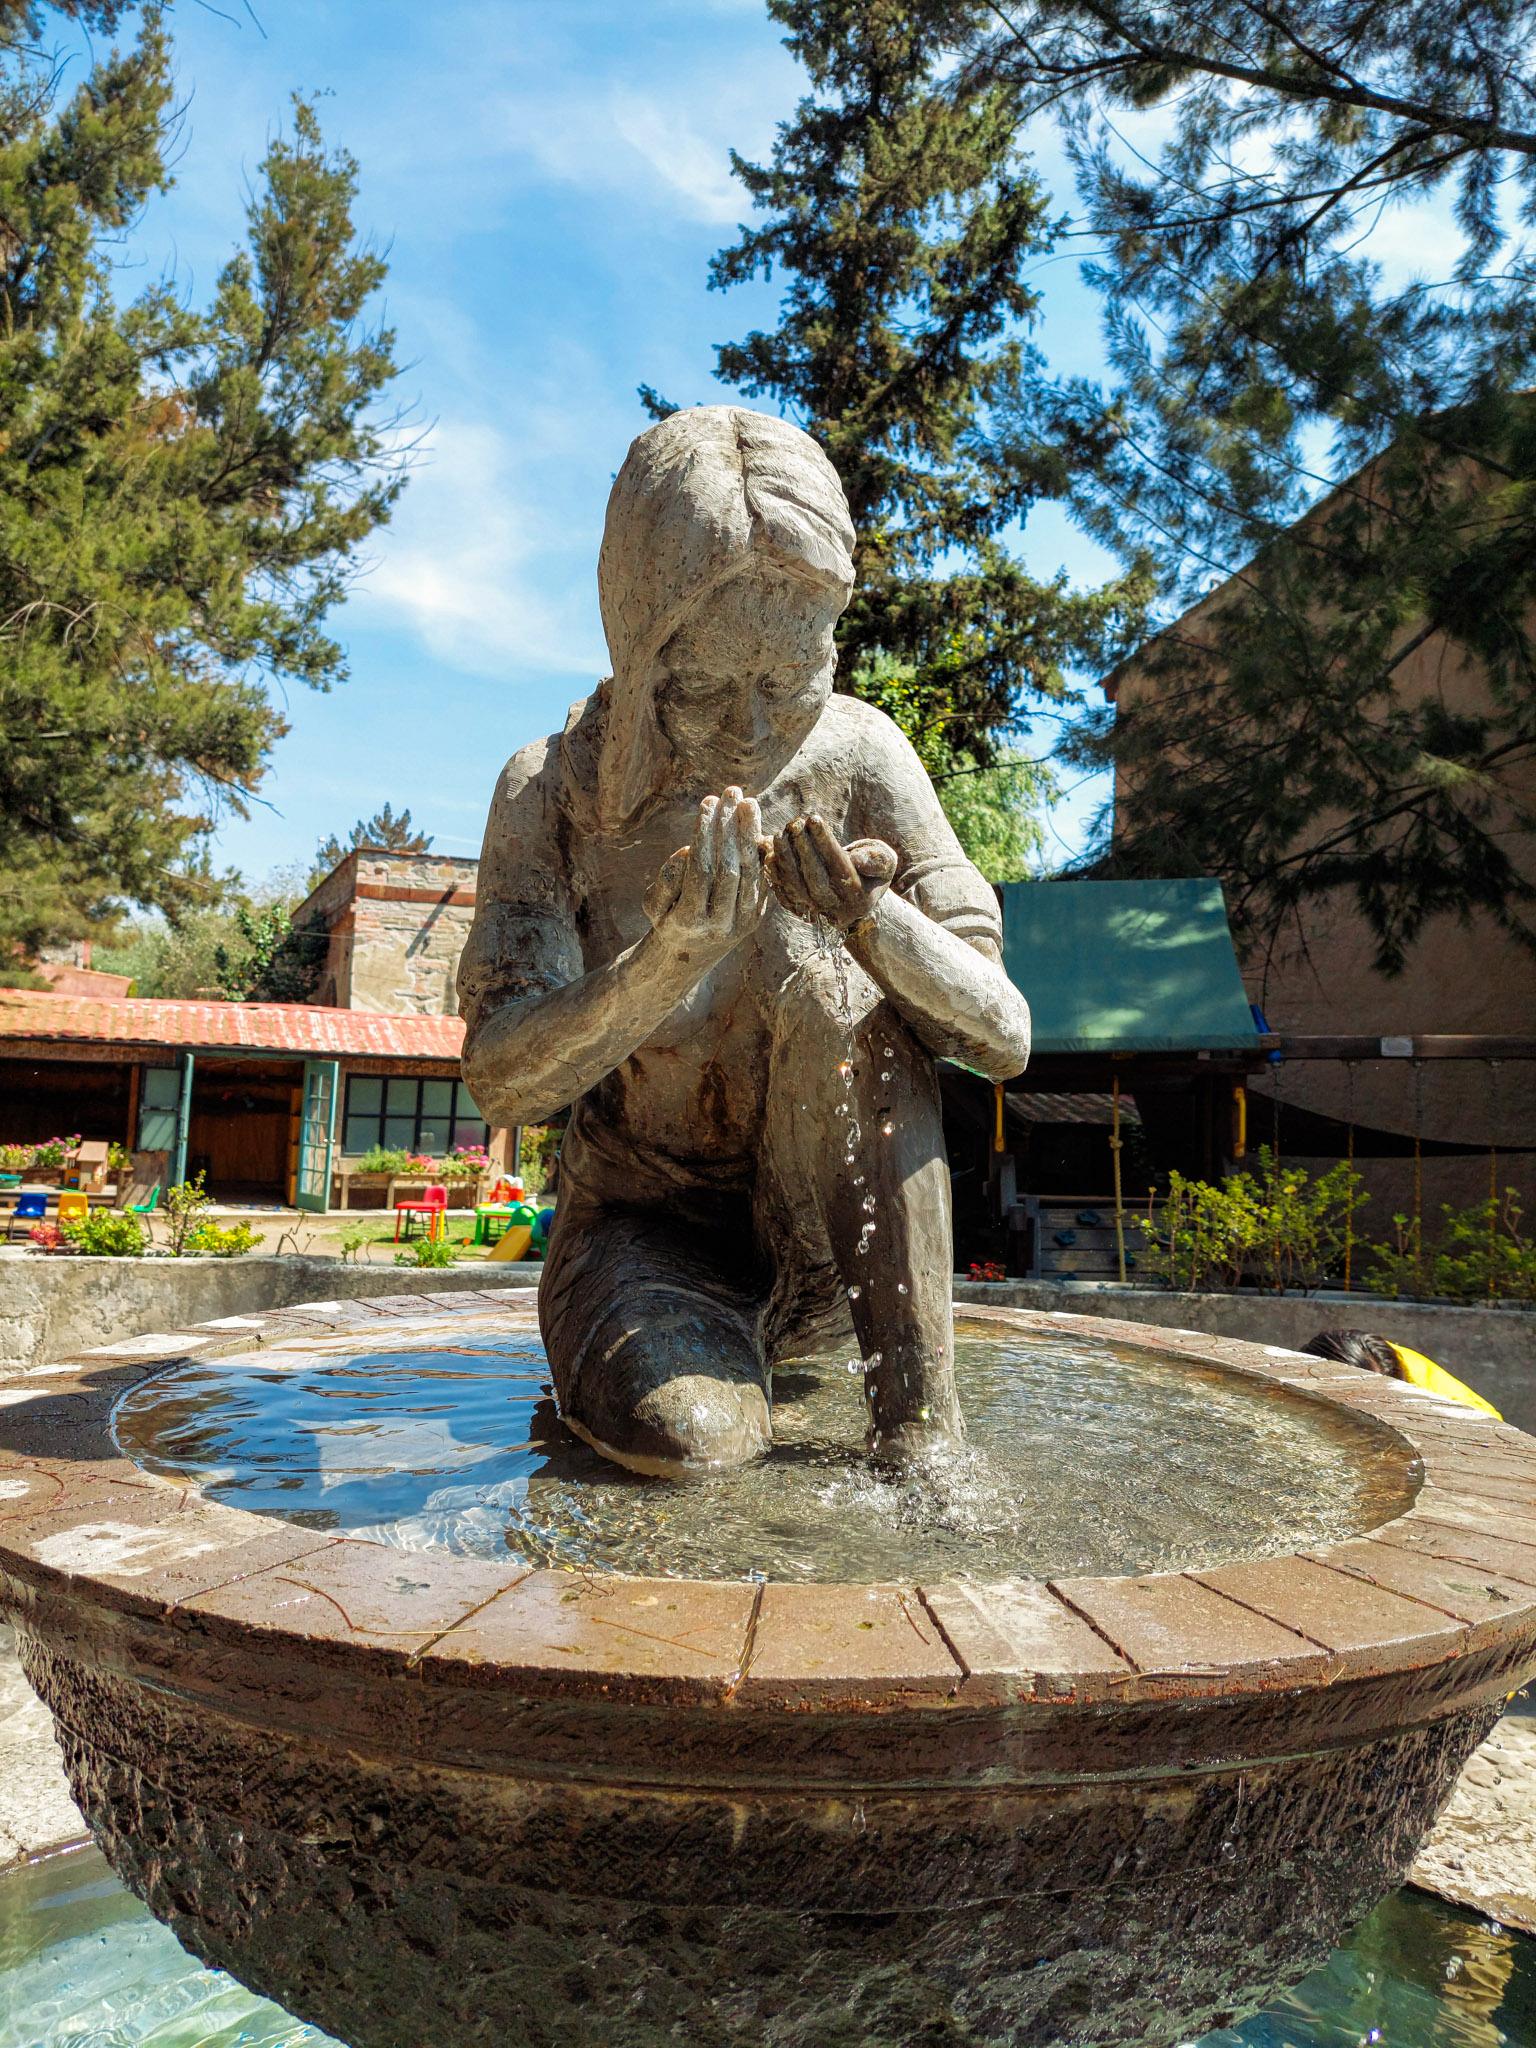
(317, 1136)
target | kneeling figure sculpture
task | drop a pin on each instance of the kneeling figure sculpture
(755, 1147)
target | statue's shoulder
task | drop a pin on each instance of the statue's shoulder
(874, 743)
(529, 786)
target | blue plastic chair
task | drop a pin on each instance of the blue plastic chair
(30, 1208)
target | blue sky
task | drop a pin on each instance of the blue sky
(551, 180)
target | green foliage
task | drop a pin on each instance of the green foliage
(998, 809)
(15, 1158)
(384, 1159)
(540, 1148)
(1277, 1228)
(429, 1251)
(272, 959)
(181, 491)
(107, 1234)
(246, 950)
(1261, 354)
(902, 217)
(211, 1240)
(383, 832)
(185, 1206)
(1482, 1255)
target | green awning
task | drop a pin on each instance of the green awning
(1126, 966)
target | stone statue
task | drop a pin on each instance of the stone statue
(723, 915)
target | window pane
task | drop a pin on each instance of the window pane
(162, 1088)
(464, 1104)
(433, 1134)
(365, 1094)
(400, 1096)
(469, 1134)
(400, 1130)
(437, 1098)
(361, 1132)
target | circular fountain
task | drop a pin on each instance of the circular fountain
(453, 1794)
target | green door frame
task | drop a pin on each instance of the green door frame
(317, 1135)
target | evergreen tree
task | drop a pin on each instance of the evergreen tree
(903, 217)
(181, 492)
(383, 832)
(1265, 363)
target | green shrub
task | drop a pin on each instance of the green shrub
(108, 1234)
(1481, 1255)
(1276, 1228)
(184, 1206)
(212, 1240)
(429, 1251)
(15, 1158)
(383, 1159)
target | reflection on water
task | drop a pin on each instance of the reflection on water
(1083, 1456)
(82, 1965)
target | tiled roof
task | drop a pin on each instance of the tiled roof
(300, 1028)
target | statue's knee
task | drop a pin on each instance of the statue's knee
(681, 1388)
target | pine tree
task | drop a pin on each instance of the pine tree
(1265, 366)
(383, 832)
(181, 492)
(903, 218)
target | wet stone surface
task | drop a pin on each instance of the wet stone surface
(1085, 1456)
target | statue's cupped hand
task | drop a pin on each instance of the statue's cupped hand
(814, 876)
(710, 895)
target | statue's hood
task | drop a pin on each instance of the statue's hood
(699, 495)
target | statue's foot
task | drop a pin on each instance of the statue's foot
(689, 1427)
(679, 1391)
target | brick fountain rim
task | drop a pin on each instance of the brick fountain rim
(528, 1671)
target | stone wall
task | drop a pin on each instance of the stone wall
(397, 924)
(50, 1308)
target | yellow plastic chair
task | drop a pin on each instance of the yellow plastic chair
(73, 1206)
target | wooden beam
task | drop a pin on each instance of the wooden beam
(1424, 1046)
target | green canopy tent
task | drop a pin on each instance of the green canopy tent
(1127, 967)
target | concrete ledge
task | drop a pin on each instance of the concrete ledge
(50, 1308)
(1492, 1349)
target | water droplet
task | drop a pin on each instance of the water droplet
(854, 1292)
(868, 1204)
(901, 1286)
(858, 1180)
(886, 1128)
(890, 1052)
(847, 1159)
(924, 1414)
(845, 1068)
(853, 1365)
(886, 1075)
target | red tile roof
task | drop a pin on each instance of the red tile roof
(299, 1028)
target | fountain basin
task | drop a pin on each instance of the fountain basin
(418, 1797)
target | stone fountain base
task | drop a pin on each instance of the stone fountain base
(426, 1799)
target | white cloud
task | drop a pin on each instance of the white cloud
(484, 581)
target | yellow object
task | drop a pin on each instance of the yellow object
(1420, 1371)
(512, 1243)
(72, 1206)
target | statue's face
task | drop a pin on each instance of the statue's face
(748, 675)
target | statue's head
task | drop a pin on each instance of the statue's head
(727, 561)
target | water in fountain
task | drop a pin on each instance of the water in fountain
(1084, 1455)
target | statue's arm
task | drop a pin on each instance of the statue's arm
(932, 939)
(959, 1002)
(540, 1030)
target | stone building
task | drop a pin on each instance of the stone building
(396, 924)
